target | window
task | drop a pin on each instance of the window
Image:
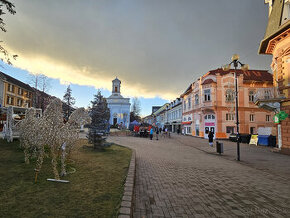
(196, 99)
(189, 103)
(230, 129)
(20, 91)
(230, 117)
(229, 95)
(10, 100)
(184, 106)
(268, 118)
(251, 96)
(19, 102)
(189, 119)
(252, 117)
(116, 89)
(207, 95)
(267, 94)
(28, 94)
(10, 87)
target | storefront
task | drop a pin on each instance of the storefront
(209, 125)
(186, 130)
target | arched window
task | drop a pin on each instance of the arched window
(116, 89)
(229, 95)
(251, 96)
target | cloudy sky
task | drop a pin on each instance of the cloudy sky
(156, 47)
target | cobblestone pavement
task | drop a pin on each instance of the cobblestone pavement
(181, 177)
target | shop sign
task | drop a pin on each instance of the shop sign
(209, 124)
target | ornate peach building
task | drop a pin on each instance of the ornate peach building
(276, 42)
(208, 103)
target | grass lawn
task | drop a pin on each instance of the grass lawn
(95, 189)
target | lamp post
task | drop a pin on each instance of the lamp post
(244, 67)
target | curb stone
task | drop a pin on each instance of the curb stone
(127, 199)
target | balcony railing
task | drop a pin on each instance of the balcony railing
(267, 94)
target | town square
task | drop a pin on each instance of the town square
(156, 108)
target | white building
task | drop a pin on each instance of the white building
(174, 115)
(119, 106)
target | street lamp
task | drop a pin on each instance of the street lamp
(244, 67)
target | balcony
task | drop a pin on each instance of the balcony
(268, 98)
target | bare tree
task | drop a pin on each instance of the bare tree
(41, 85)
(10, 8)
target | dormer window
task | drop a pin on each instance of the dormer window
(286, 12)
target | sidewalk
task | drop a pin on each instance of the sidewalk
(258, 157)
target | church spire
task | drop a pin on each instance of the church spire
(116, 86)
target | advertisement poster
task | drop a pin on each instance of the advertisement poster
(254, 140)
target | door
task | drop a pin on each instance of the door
(206, 130)
(115, 121)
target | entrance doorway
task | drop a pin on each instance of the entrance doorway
(115, 120)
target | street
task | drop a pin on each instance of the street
(183, 177)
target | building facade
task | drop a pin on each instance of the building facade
(187, 111)
(160, 116)
(276, 42)
(119, 106)
(174, 115)
(209, 103)
(14, 92)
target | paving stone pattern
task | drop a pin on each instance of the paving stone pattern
(176, 178)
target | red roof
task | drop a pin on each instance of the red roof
(255, 75)
(208, 81)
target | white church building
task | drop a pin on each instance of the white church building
(119, 106)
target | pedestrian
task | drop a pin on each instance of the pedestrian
(151, 133)
(157, 133)
(210, 138)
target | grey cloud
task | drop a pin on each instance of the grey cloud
(159, 44)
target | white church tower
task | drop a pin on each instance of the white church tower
(119, 106)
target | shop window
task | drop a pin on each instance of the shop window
(230, 129)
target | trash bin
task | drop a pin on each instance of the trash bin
(219, 147)
(272, 141)
(263, 140)
(245, 138)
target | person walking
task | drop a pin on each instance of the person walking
(157, 133)
(151, 133)
(210, 138)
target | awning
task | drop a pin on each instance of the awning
(186, 123)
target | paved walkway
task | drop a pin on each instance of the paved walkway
(183, 177)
